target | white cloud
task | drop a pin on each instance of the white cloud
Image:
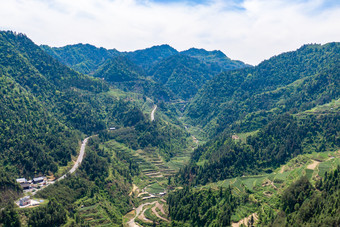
(250, 30)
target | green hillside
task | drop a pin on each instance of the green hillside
(182, 75)
(83, 58)
(293, 81)
(118, 69)
(216, 60)
(187, 138)
(148, 57)
(120, 72)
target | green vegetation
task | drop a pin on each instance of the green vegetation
(150, 56)
(203, 207)
(172, 72)
(246, 100)
(9, 189)
(263, 192)
(278, 142)
(99, 193)
(178, 72)
(9, 216)
(216, 60)
(258, 145)
(83, 58)
(302, 204)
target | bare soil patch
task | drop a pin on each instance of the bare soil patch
(245, 220)
(313, 165)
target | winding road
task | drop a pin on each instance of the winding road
(153, 113)
(75, 166)
(79, 159)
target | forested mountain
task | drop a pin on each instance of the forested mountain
(45, 106)
(123, 74)
(281, 140)
(304, 204)
(146, 58)
(265, 97)
(285, 107)
(181, 74)
(45, 110)
(119, 69)
(83, 58)
(270, 155)
(41, 100)
(293, 81)
(216, 60)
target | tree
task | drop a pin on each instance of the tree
(9, 216)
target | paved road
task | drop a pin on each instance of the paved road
(153, 113)
(79, 159)
(75, 166)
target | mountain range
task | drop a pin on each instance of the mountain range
(227, 142)
(173, 71)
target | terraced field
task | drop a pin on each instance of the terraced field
(264, 188)
(153, 213)
(96, 215)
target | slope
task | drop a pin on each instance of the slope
(84, 58)
(125, 75)
(216, 60)
(146, 58)
(181, 74)
(293, 81)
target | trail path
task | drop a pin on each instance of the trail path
(134, 188)
(153, 113)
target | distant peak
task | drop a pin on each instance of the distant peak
(161, 47)
(200, 51)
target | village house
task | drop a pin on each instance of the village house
(21, 180)
(25, 186)
(23, 183)
(24, 201)
(38, 180)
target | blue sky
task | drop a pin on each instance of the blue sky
(177, 1)
(247, 30)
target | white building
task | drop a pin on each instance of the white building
(24, 201)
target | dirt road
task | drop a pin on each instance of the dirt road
(139, 209)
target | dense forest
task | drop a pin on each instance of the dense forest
(160, 72)
(203, 207)
(46, 106)
(82, 58)
(275, 144)
(303, 204)
(290, 82)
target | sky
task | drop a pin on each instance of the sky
(246, 30)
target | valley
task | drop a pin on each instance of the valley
(172, 138)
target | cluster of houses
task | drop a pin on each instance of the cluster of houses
(31, 184)
(35, 183)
